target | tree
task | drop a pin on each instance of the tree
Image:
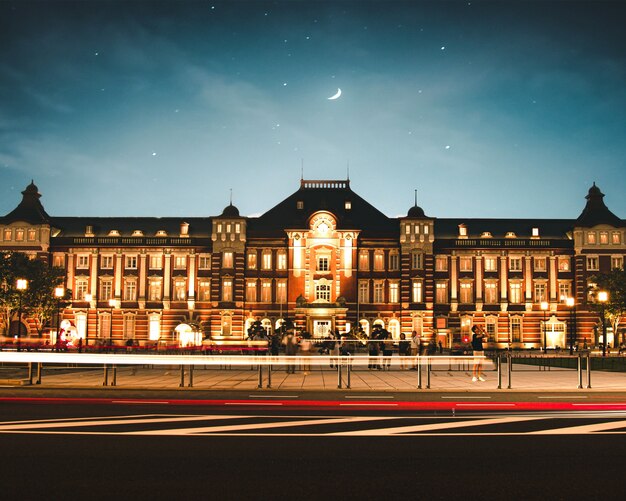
(614, 283)
(38, 300)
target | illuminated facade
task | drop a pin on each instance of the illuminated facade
(327, 259)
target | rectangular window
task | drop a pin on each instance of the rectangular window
(281, 260)
(180, 262)
(604, 237)
(154, 332)
(378, 292)
(417, 292)
(540, 292)
(80, 289)
(364, 291)
(227, 289)
(32, 235)
(364, 261)
(441, 263)
(322, 292)
(251, 260)
(565, 290)
(394, 292)
(8, 234)
(131, 262)
(540, 263)
(129, 326)
(154, 289)
(322, 263)
(591, 237)
(266, 263)
(19, 235)
(515, 292)
(379, 261)
(281, 292)
(266, 291)
(592, 263)
(106, 287)
(616, 237)
(251, 291)
(491, 328)
(466, 293)
(156, 262)
(417, 260)
(130, 290)
(515, 264)
(491, 293)
(465, 263)
(564, 263)
(204, 262)
(204, 290)
(617, 262)
(491, 263)
(106, 262)
(516, 330)
(180, 294)
(441, 292)
(82, 262)
(394, 261)
(227, 260)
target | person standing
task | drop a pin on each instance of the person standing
(291, 349)
(479, 353)
(404, 348)
(305, 352)
(414, 348)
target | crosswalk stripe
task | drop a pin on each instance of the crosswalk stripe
(577, 430)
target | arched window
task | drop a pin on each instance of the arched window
(365, 325)
(266, 323)
(394, 328)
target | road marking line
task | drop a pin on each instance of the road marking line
(583, 429)
(490, 404)
(437, 426)
(365, 397)
(557, 396)
(367, 404)
(463, 396)
(160, 402)
(253, 403)
(274, 396)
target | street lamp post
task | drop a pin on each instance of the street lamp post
(603, 297)
(571, 304)
(59, 292)
(111, 305)
(544, 307)
(88, 298)
(21, 285)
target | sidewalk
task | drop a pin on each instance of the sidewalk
(523, 378)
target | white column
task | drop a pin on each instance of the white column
(118, 276)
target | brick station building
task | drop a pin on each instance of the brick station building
(327, 259)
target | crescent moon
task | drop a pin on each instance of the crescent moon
(336, 96)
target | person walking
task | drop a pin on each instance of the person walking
(387, 347)
(291, 349)
(305, 352)
(477, 347)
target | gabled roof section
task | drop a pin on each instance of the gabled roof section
(336, 197)
(522, 228)
(596, 212)
(30, 209)
(101, 226)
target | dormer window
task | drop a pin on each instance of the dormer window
(348, 205)
(114, 233)
(89, 231)
(299, 205)
(137, 233)
(535, 233)
(462, 231)
(161, 233)
(510, 234)
(184, 229)
(486, 234)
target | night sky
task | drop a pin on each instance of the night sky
(144, 108)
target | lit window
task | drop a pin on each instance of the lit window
(322, 292)
(252, 260)
(515, 264)
(565, 290)
(364, 261)
(441, 263)
(107, 262)
(364, 291)
(323, 263)
(266, 291)
(616, 237)
(465, 263)
(180, 262)
(8, 234)
(491, 292)
(106, 287)
(535, 232)
(204, 290)
(227, 259)
(19, 235)
(491, 263)
(154, 332)
(540, 292)
(130, 290)
(379, 261)
(592, 263)
(378, 292)
(515, 292)
(179, 290)
(281, 260)
(80, 289)
(251, 291)
(564, 263)
(394, 261)
(32, 235)
(237, 227)
(131, 262)
(462, 230)
(617, 262)
(466, 293)
(204, 262)
(491, 325)
(266, 262)
(441, 292)
(58, 261)
(417, 260)
(348, 205)
(591, 237)
(154, 289)
(227, 289)
(540, 263)
(156, 262)
(417, 292)
(281, 292)
(82, 262)
(604, 237)
(394, 292)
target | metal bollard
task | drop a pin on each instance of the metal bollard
(39, 367)
(190, 385)
(114, 379)
(106, 375)
(30, 373)
(580, 371)
(260, 385)
(269, 375)
(499, 366)
(182, 377)
(588, 370)
(419, 374)
(428, 373)
(339, 372)
(509, 360)
(348, 374)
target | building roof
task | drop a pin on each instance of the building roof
(336, 197)
(499, 228)
(596, 212)
(29, 209)
(101, 226)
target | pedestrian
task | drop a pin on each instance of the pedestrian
(477, 347)
(403, 350)
(373, 348)
(291, 349)
(440, 347)
(414, 348)
(387, 346)
(333, 348)
(305, 352)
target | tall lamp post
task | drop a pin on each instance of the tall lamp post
(571, 304)
(603, 297)
(544, 307)
(21, 285)
(111, 305)
(59, 292)
(88, 298)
